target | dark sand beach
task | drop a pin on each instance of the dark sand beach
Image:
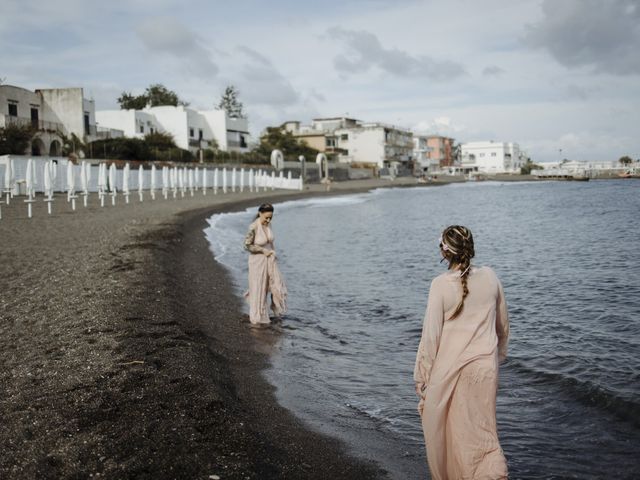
(125, 354)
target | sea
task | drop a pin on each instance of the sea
(358, 269)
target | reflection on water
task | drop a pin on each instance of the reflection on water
(358, 270)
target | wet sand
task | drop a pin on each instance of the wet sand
(125, 354)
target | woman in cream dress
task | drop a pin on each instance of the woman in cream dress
(264, 275)
(464, 337)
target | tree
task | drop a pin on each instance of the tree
(626, 160)
(15, 139)
(278, 138)
(528, 166)
(229, 103)
(155, 95)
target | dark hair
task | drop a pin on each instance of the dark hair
(457, 247)
(265, 207)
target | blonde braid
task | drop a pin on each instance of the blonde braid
(460, 248)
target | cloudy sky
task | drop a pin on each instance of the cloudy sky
(559, 77)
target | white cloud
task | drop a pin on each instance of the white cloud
(603, 35)
(165, 35)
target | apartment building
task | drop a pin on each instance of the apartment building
(191, 129)
(353, 141)
(52, 113)
(492, 157)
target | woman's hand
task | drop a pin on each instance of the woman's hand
(420, 388)
(268, 253)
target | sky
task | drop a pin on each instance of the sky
(559, 77)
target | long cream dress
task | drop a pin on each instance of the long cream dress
(458, 362)
(264, 275)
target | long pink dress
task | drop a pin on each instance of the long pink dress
(264, 275)
(458, 362)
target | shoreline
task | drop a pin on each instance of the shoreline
(124, 351)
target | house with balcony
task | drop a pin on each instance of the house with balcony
(53, 113)
(492, 157)
(353, 141)
(191, 129)
(425, 159)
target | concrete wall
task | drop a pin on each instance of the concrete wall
(67, 106)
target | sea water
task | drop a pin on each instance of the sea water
(358, 269)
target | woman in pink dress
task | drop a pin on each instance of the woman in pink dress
(264, 275)
(464, 337)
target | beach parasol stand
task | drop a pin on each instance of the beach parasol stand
(126, 173)
(102, 182)
(84, 181)
(30, 187)
(140, 181)
(112, 183)
(71, 185)
(48, 184)
(152, 186)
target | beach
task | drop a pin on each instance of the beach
(125, 353)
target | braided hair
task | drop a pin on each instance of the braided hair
(457, 248)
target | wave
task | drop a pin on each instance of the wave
(585, 391)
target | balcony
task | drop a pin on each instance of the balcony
(41, 125)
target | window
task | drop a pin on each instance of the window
(86, 123)
(191, 132)
(344, 136)
(13, 109)
(199, 134)
(482, 154)
(34, 117)
(151, 130)
(141, 128)
(493, 154)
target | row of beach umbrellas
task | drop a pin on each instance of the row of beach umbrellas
(172, 181)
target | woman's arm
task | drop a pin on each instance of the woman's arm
(502, 324)
(430, 341)
(249, 240)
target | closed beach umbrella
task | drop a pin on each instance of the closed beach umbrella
(8, 180)
(48, 184)
(140, 181)
(48, 190)
(204, 181)
(126, 173)
(112, 178)
(102, 178)
(84, 178)
(233, 179)
(153, 177)
(215, 181)
(28, 178)
(224, 180)
(71, 180)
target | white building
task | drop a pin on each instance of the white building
(52, 113)
(424, 161)
(191, 129)
(375, 144)
(492, 157)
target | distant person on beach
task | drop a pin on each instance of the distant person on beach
(464, 337)
(264, 275)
